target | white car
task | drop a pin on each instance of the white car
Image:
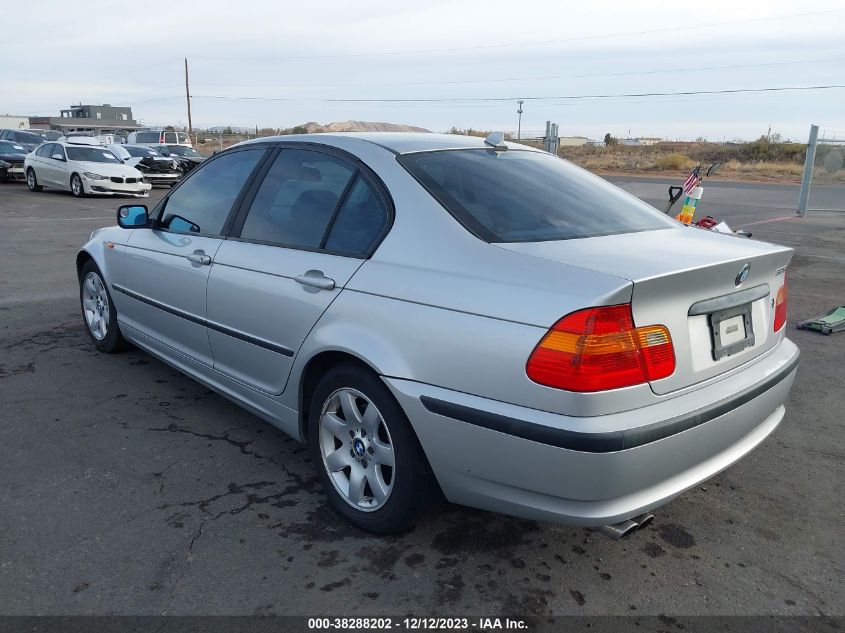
(83, 169)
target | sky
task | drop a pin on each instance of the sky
(456, 63)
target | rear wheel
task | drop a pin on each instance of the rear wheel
(32, 181)
(98, 311)
(76, 187)
(370, 462)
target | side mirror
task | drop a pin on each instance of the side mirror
(713, 169)
(131, 216)
(57, 157)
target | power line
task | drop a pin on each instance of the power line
(426, 51)
(529, 78)
(534, 98)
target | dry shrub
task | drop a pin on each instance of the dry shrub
(674, 162)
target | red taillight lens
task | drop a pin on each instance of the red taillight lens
(780, 306)
(599, 348)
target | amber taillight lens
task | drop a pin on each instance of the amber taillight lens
(598, 349)
(780, 306)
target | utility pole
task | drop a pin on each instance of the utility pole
(188, 97)
(519, 125)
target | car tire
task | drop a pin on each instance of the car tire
(32, 180)
(391, 497)
(76, 186)
(98, 312)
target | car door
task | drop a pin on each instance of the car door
(166, 266)
(51, 169)
(291, 251)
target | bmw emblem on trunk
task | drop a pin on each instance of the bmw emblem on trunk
(742, 275)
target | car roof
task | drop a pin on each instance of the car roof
(396, 142)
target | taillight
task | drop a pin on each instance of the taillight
(599, 348)
(780, 306)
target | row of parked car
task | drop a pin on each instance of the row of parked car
(89, 166)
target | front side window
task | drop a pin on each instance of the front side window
(525, 196)
(297, 199)
(91, 155)
(45, 150)
(202, 203)
(359, 222)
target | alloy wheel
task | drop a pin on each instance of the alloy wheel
(30, 179)
(357, 449)
(95, 305)
(76, 185)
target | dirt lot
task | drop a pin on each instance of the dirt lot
(130, 489)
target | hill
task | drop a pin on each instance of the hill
(313, 127)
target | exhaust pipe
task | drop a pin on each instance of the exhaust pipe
(626, 527)
(619, 530)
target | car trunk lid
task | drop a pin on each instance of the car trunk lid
(687, 279)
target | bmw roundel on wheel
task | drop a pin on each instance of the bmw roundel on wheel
(446, 316)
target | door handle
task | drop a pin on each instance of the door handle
(315, 279)
(199, 257)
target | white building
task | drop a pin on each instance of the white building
(9, 121)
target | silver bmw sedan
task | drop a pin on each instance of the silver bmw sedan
(457, 316)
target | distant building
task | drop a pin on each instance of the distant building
(88, 117)
(572, 141)
(9, 121)
(641, 140)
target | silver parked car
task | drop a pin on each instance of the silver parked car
(437, 313)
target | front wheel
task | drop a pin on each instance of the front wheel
(370, 462)
(32, 181)
(76, 187)
(98, 311)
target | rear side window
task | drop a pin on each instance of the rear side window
(359, 222)
(202, 203)
(297, 199)
(147, 137)
(523, 196)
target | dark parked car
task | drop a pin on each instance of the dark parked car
(29, 140)
(157, 169)
(13, 155)
(186, 157)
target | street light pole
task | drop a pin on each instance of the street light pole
(519, 125)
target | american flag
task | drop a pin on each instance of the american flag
(692, 180)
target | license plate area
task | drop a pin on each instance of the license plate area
(731, 330)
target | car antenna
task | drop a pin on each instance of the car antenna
(497, 141)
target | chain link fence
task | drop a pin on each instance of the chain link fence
(823, 183)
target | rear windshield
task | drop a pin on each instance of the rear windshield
(524, 196)
(147, 137)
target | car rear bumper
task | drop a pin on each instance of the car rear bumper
(598, 470)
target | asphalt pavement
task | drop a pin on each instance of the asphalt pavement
(128, 488)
